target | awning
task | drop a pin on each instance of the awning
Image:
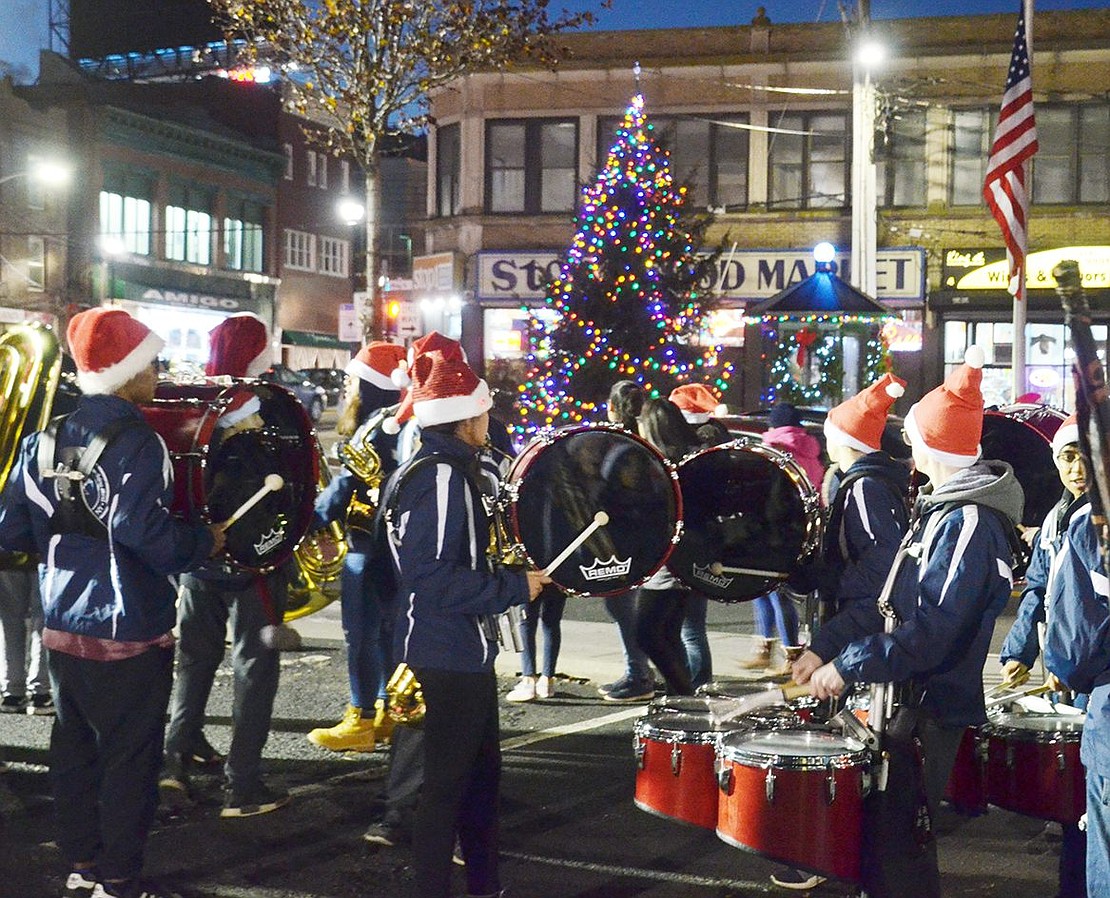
(316, 341)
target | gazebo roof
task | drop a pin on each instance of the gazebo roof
(822, 293)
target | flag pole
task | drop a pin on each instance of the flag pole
(1020, 313)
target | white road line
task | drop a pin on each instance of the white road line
(569, 729)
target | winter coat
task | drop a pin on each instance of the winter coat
(948, 591)
(804, 447)
(119, 586)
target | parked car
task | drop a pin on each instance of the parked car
(312, 397)
(333, 380)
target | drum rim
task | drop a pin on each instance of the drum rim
(1007, 726)
(780, 760)
(648, 728)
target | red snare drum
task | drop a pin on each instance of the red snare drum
(216, 467)
(792, 716)
(675, 778)
(1033, 765)
(967, 784)
(795, 796)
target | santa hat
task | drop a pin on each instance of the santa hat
(947, 422)
(433, 342)
(859, 422)
(110, 347)
(445, 389)
(1067, 434)
(241, 407)
(697, 402)
(239, 346)
(375, 363)
(402, 374)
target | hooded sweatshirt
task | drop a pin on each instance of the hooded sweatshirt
(803, 446)
(948, 590)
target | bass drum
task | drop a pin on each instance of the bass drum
(564, 477)
(750, 516)
(1021, 436)
(221, 457)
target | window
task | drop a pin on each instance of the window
(344, 177)
(243, 236)
(322, 171)
(448, 167)
(1071, 165)
(972, 131)
(125, 211)
(36, 264)
(334, 254)
(809, 169)
(710, 156)
(300, 250)
(531, 166)
(311, 176)
(287, 148)
(189, 226)
(900, 159)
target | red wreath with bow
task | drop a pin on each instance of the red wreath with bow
(805, 338)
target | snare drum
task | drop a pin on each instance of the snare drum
(675, 753)
(967, 784)
(795, 797)
(1033, 765)
(564, 477)
(214, 472)
(775, 717)
(749, 516)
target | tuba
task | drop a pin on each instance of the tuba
(30, 367)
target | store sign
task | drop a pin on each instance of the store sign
(434, 273)
(192, 300)
(350, 331)
(988, 269)
(744, 275)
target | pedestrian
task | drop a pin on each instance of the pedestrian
(702, 408)
(364, 722)
(24, 677)
(626, 401)
(110, 550)
(1022, 645)
(867, 518)
(776, 611)
(546, 614)
(929, 637)
(211, 596)
(448, 590)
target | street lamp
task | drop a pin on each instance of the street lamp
(869, 54)
(47, 172)
(350, 211)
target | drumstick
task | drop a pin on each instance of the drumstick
(1014, 696)
(272, 484)
(600, 520)
(717, 568)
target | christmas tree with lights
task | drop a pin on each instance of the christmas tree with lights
(627, 303)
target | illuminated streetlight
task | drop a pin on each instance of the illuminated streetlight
(350, 211)
(47, 172)
(871, 54)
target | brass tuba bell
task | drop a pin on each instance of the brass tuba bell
(404, 697)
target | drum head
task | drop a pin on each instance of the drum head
(562, 479)
(1048, 724)
(1029, 452)
(749, 517)
(789, 747)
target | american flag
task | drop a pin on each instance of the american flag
(1015, 142)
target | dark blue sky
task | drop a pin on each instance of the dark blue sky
(684, 13)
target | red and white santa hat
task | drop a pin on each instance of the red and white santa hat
(242, 406)
(239, 346)
(445, 389)
(697, 402)
(376, 362)
(1067, 434)
(858, 422)
(110, 347)
(948, 421)
(402, 374)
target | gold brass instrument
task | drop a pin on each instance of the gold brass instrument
(502, 550)
(361, 458)
(30, 367)
(404, 698)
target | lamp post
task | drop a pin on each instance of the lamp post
(868, 54)
(48, 172)
(111, 247)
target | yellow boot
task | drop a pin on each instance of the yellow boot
(352, 733)
(383, 723)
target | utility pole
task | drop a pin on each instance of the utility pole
(864, 199)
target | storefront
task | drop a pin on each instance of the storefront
(973, 307)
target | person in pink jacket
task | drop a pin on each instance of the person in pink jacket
(776, 610)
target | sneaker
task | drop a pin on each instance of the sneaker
(382, 833)
(789, 878)
(204, 755)
(632, 692)
(13, 704)
(524, 691)
(259, 800)
(353, 733)
(41, 704)
(80, 884)
(173, 784)
(133, 888)
(606, 688)
(545, 687)
(457, 855)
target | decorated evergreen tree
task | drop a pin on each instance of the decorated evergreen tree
(627, 302)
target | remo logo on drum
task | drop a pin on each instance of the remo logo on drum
(606, 570)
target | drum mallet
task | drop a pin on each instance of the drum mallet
(600, 520)
(272, 484)
(716, 569)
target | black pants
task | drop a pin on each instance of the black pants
(659, 614)
(105, 754)
(406, 776)
(462, 774)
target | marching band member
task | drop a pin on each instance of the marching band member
(950, 580)
(361, 611)
(110, 549)
(439, 536)
(239, 347)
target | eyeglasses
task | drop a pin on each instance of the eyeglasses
(1069, 457)
(906, 437)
